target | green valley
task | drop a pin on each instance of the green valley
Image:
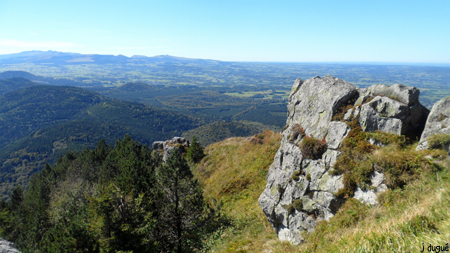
(40, 123)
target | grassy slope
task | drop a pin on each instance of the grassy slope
(235, 170)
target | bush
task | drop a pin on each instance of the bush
(296, 131)
(295, 175)
(308, 177)
(441, 117)
(298, 204)
(438, 141)
(290, 208)
(387, 138)
(312, 148)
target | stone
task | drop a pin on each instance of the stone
(312, 104)
(315, 102)
(158, 145)
(404, 94)
(369, 196)
(167, 147)
(7, 246)
(294, 179)
(392, 116)
(438, 122)
(337, 131)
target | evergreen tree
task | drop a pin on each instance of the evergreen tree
(183, 212)
(195, 152)
(16, 198)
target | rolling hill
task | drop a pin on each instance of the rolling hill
(13, 84)
(39, 123)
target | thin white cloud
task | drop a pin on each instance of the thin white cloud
(27, 44)
(127, 48)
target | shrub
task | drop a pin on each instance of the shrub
(312, 148)
(341, 111)
(290, 208)
(400, 166)
(295, 175)
(387, 138)
(298, 204)
(280, 189)
(296, 131)
(441, 117)
(308, 177)
(255, 141)
(343, 108)
(438, 140)
(354, 162)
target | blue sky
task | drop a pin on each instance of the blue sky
(245, 30)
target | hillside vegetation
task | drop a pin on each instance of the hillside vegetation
(40, 123)
(14, 84)
(234, 174)
(221, 130)
(119, 198)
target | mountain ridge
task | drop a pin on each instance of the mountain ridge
(55, 57)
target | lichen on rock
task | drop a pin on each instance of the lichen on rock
(438, 122)
(318, 109)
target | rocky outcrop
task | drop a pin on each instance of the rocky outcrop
(300, 189)
(167, 147)
(7, 247)
(438, 122)
(392, 109)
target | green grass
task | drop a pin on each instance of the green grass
(234, 174)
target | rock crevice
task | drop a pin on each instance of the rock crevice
(300, 189)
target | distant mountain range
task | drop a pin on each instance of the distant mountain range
(61, 58)
(34, 79)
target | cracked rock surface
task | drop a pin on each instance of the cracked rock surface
(7, 246)
(300, 191)
(438, 122)
(167, 147)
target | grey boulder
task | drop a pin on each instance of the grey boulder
(438, 122)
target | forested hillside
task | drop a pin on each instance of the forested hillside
(220, 130)
(44, 80)
(119, 198)
(13, 84)
(41, 122)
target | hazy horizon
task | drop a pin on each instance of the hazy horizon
(250, 31)
(435, 64)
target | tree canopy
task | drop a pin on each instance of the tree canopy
(110, 199)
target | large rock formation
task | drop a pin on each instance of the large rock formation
(393, 109)
(438, 122)
(300, 191)
(167, 147)
(7, 247)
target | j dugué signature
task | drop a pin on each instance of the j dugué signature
(437, 248)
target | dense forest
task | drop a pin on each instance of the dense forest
(41, 122)
(119, 198)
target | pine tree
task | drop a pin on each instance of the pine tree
(183, 212)
(195, 152)
(16, 198)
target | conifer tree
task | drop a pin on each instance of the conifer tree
(195, 152)
(183, 212)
